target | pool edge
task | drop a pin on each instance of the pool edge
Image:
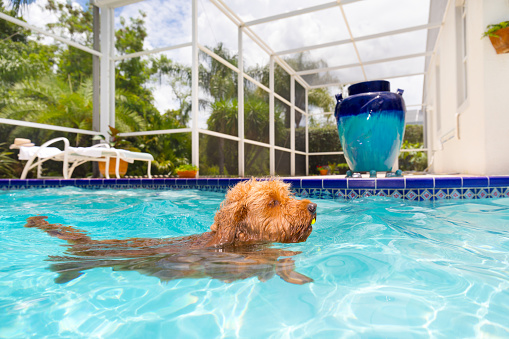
(408, 188)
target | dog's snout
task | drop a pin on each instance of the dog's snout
(312, 207)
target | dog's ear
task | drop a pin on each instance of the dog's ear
(231, 215)
(227, 222)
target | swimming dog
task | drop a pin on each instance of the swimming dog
(254, 214)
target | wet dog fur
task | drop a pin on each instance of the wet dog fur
(254, 214)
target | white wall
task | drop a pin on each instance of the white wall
(480, 136)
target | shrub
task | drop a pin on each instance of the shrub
(187, 167)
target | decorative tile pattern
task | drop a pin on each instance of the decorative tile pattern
(396, 195)
(426, 195)
(367, 193)
(351, 194)
(326, 194)
(339, 194)
(411, 195)
(410, 188)
(482, 194)
(441, 195)
(469, 194)
(455, 194)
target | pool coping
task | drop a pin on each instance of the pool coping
(417, 188)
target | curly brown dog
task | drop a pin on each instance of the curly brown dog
(253, 214)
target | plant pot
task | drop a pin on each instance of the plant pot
(323, 172)
(122, 167)
(371, 123)
(187, 174)
(501, 43)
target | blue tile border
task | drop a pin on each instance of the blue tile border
(335, 183)
(311, 183)
(419, 183)
(390, 183)
(448, 182)
(295, 183)
(409, 188)
(498, 181)
(362, 183)
(475, 182)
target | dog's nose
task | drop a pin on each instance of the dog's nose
(312, 207)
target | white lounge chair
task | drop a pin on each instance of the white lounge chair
(75, 156)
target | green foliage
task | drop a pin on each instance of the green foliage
(74, 65)
(412, 161)
(211, 171)
(321, 139)
(342, 168)
(332, 167)
(133, 73)
(187, 167)
(414, 133)
(414, 139)
(491, 30)
(282, 84)
(52, 84)
(7, 163)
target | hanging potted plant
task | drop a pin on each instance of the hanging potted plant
(187, 171)
(117, 142)
(499, 36)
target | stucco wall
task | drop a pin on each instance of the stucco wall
(476, 142)
(496, 103)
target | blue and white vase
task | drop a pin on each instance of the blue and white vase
(371, 124)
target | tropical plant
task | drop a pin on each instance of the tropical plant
(332, 167)
(117, 141)
(19, 5)
(52, 84)
(412, 161)
(186, 167)
(491, 30)
(282, 85)
(51, 101)
(7, 164)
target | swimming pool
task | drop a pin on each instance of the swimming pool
(382, 267)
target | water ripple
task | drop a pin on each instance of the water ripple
(382, 267)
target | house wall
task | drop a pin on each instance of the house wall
(473, 136)
(496, 103)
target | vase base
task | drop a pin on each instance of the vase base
(398, 173)
(373, 174)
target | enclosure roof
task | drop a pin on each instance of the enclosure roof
(355, 40)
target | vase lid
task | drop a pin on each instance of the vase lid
(369, 86)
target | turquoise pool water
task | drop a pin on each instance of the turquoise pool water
(382, 267)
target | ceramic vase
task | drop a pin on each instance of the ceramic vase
(371, 124)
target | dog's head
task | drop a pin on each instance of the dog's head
(262, 211)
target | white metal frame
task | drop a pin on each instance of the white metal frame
(107, 75)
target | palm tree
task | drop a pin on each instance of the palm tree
(19, 5)
(317, 97)
(52, 101)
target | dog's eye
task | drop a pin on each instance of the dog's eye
(273, 203)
